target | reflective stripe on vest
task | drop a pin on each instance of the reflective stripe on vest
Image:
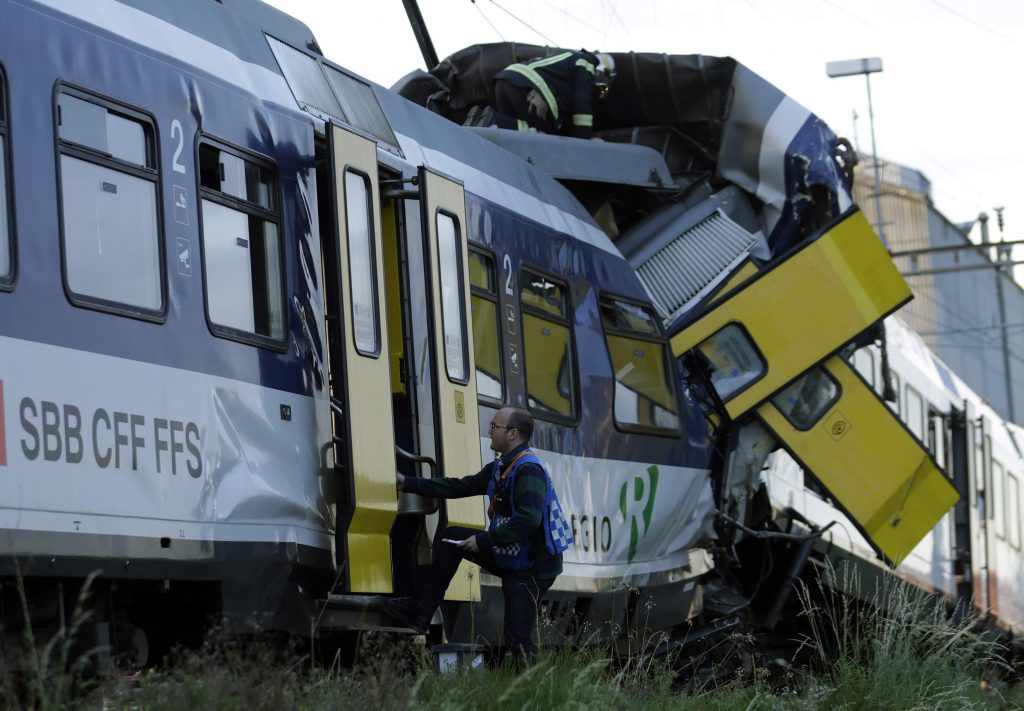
(586, 65)
(537, 81)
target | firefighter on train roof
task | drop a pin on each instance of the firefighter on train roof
(553, 94)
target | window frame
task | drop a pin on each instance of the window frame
(999, 494)
(897, 406)
(757, 351)
(7, 281)
(250, 209)
(373, 240)
(568, 322)
(836, 397)
(65, 147)
(922, 423)
(669, 362)
(495, 298)
(461, 274)
(1012, 523)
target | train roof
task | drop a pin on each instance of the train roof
(276, 59)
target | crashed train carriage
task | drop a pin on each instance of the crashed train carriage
(241, 287)
(973, 554)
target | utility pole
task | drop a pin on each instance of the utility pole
(866, 66)
(1001, 255)
(419, 28)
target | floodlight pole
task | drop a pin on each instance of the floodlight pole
(874, 160)
(867, 67)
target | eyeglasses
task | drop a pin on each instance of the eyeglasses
(495, 426)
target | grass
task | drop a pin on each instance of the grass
(907, 655)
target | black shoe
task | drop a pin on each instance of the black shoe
(406, 611)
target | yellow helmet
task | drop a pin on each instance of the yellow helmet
(605, 68)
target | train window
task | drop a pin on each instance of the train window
(986, 454)
(362, 265)
(547, 342)
(864, 361)
(455, 356)
(896, 389)
(999, 494)
(733, 359)
(109, 206)
(645, 395)
(915, 412)
(483, 304)
(6, 232)
(805, 401)
(1012, 510)
(243, 256)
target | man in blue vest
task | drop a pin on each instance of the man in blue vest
(515, 546)
(552, 94)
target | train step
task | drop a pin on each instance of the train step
(356, 612)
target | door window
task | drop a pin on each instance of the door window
(362, 265)
(454, 327)
(733, 360)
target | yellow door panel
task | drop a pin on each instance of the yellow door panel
(802, 309)
(457, 418)
(746, 270)
(370, 438)
(878, 472)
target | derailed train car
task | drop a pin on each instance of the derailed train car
(241, 287)
(719, 127)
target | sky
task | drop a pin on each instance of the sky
(949, 101)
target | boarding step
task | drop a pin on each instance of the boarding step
(356, 612)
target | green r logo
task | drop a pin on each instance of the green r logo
(638, 505)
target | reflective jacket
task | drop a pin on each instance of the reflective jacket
(566, 82)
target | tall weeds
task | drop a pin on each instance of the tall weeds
(902, 649)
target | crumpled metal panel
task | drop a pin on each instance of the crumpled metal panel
(730, 118)
(683, 267)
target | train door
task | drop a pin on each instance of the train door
(359, 365)
(452, 405)
(401, 361)
(984, 511)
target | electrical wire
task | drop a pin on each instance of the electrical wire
(526, 25)
(571, 16)
(488, 20)
(610, 5)
(843, 10)
(977, 24)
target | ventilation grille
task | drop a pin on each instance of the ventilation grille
(688, 264)
(327, 92)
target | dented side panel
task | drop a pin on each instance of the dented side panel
(806, 307)
(875, 468)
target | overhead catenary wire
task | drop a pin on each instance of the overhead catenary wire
(488, 20)
(572, 17)
(525, 24)
(965, 18)
(611, 5)
(845, 11)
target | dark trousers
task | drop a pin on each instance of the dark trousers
(511, 104)
(521, 588)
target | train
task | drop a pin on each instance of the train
(287, 283)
